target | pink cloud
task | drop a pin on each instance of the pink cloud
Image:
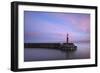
(81, 23)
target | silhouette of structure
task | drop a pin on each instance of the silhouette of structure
(67, 38)
(62, 46)
(68, 46)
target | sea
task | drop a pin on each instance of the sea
(45, 54)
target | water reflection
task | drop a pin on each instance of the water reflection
(69, 55)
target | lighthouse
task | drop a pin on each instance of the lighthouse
(67, 41)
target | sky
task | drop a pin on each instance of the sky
(53, 27)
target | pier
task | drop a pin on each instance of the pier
(67, 46)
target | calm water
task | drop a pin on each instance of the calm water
(42, 54)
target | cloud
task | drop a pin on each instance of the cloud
(80, 22)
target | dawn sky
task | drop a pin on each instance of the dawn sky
(42, 27)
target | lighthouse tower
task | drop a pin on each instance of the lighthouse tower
(67, 41)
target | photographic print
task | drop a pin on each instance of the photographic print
(56, 36)
(52, 36)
